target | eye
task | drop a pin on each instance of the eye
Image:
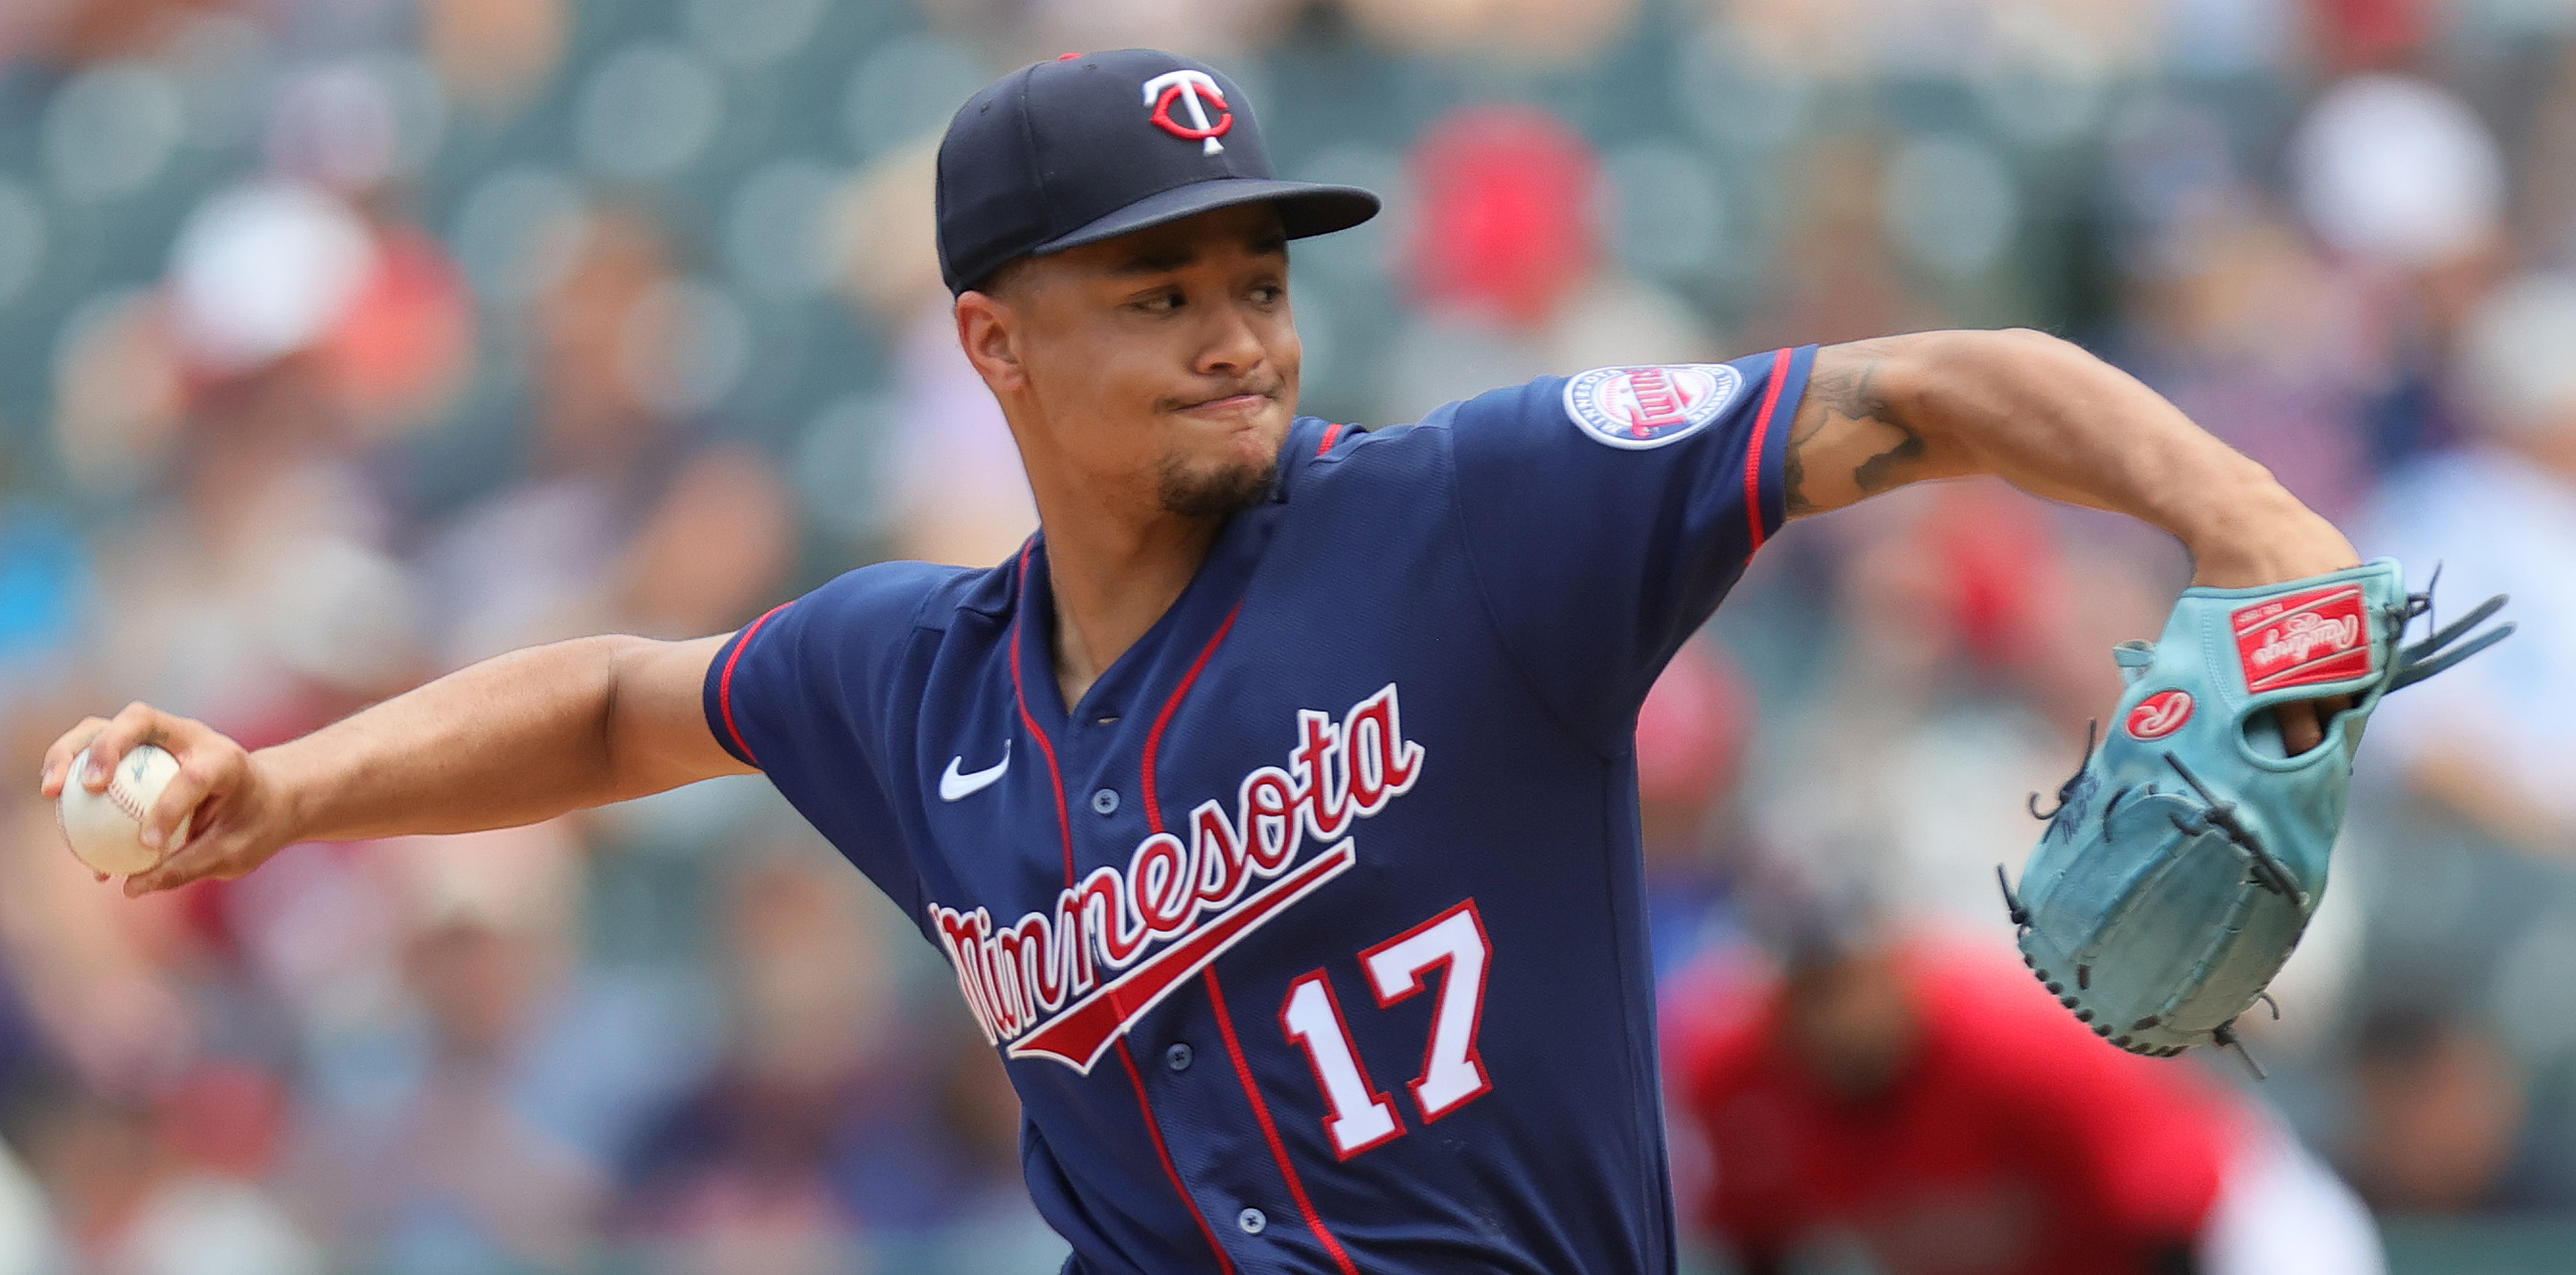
(1160, 302)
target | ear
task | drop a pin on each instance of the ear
(987, 329)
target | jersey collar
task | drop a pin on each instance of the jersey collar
(1138, 679)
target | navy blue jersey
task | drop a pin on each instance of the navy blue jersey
(1313, 936)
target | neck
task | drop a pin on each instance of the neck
(1113, 574)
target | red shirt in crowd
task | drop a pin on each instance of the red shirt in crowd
(2011, 1141)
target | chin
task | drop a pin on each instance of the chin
(1217, 488)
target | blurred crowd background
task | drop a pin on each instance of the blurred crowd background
(343, 342)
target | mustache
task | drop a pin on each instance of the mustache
(1268, 389)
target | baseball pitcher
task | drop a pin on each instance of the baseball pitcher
(1274, 804)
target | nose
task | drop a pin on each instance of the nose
(1233, 345)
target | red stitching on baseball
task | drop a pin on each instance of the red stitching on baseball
(125, 797)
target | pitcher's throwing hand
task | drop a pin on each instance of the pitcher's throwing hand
(1275, 805)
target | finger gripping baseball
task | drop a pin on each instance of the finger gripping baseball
(2187, 854)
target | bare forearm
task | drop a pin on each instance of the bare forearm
(516, 739)
(509, 741)
(2053, 420)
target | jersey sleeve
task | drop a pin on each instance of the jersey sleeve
(1606, 514)
(809, 693)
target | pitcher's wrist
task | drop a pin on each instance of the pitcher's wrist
(292, 803)
(2261, 535)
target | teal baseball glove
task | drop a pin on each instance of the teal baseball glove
(2184, 859)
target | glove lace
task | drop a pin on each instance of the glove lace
(2066, 792)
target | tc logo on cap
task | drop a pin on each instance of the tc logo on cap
(1193, 89)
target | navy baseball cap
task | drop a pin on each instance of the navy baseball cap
(1092, 146)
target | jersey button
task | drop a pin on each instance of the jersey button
(1177, 1057)
(1252, 1221)
(1105, 801)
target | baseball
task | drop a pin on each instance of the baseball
(106, 828)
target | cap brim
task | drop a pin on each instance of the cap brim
(1305, 209)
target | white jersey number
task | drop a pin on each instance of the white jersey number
(1362, 1117)
(1452, 1073)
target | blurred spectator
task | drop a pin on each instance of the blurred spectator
(2405, 184)
(1690, 743)
(400, 353)
(1833, 277)
(93, 972)
(264, 271)
(710, 553)
(957, 490)
(618, 527)
(2246, 329)
(1972, 646)
(2491, 742)
(2439, 1113)
(2398, 172)
(118, 394)
(262, 597)
(741, 1175)
(156, 1189)
(270, 451)
(495, 54)
(1506, 227)
(835, 1130)
(1507, 266)
(1929, 1108)
(454, 1171)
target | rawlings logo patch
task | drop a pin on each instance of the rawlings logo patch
(2160, 714)
(1641, 407)
(2304, 639)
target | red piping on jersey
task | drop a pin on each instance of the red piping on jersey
(1216, 993)
(724, 684)
(1154, 738)
(1753, 451)
(1331, 432)
(1064, 825)
(1269, 1130)
(1154, 1129)
(1020, 697)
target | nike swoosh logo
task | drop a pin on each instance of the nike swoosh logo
(953, 785)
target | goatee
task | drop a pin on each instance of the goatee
(1217, 493)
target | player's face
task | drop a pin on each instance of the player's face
(1852, 1022)
(1161, 366)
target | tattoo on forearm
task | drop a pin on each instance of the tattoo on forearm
(1848, 399)
(1889, 468)
(1793, 470)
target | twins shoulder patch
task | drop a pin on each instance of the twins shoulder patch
(1640, 407)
